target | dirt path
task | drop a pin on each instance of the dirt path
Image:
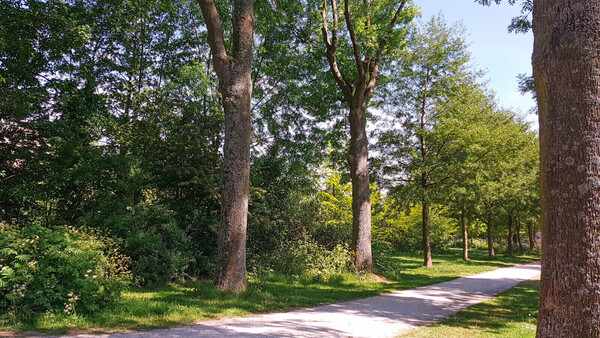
(380, 316)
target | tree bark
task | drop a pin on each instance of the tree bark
(235, 86)
(519, 237)
(426, 240)
(361, 194)
(465, 235)
(511, 235)
(490, 232)
(566, 64)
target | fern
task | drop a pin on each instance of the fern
(8, 273)
(23, 258)
(8, 251)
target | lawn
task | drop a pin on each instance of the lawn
(512, 314)
(174, 305)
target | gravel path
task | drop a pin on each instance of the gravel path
(380, 316)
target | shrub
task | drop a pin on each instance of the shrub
(61, 269)
(403, 231)
(307, 258)
(159, 249)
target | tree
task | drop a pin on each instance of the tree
(235, 85)
(566, 67)
(369, 44)
(435, 98)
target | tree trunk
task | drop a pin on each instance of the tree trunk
(567, 79)
(361, 194)
(519, 237)
(231, 274)
(426, 240)
(465, 235)
(532, 241)
(235, 86)
(511, 236)
(490, 231)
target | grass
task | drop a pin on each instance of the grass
(175, 305)
(512, 314)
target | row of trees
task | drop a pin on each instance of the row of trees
(113, 115)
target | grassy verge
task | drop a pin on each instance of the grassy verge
(512, 314)
(173, 305)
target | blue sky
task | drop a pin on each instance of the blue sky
(503, 55)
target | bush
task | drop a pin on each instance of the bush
(478, 243)
(403, 231)
(159, 249)
(306, 258)
(58, 270)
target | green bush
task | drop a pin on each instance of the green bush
(478, 243)
(159, 250)
(306, 258)
(58, 270)
(403, 231)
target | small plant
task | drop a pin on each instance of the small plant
(58, 270)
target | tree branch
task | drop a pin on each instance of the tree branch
(243, 30)
(331, 50)
(355, 47)
(216, 41)
(374, 68)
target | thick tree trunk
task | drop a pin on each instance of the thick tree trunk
(511, 235)
(426, 240)
(519, 237)
(361, 194)
(567, 79)
(465, 235)
(231, 273)
(490, 233)
(235, 86)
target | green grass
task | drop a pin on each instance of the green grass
(512, 314)
(174, 305)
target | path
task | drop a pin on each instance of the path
(380, 316)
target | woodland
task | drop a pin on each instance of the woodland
(167, 141)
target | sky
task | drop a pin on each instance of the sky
(501, 54)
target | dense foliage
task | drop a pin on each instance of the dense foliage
(63, 269)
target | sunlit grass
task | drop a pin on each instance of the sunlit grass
(174, 305)
(512, 314)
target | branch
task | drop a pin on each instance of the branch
(243, 31)
(331, 51)
(7, 178)
(216, 41)
(355, 47)
(374, 69)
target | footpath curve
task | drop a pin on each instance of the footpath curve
(385, 315)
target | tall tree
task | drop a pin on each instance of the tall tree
(433, 96)
(234, 70)
(372, 31)
(566, 67)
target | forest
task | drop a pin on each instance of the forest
(371, 131)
